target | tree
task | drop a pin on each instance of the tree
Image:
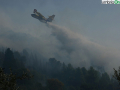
(117, 75)
(71, 88)
(53, 67)
(25, 53)
(79, 77)
(55, 84)
(1, 58)
(20, 60)
(9, 60)
(106, 78)
(93, 76)
(92, 80)
(8, 81)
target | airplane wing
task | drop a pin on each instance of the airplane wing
(39, 14)
(50, 18)
(35, 16)
(39, 18)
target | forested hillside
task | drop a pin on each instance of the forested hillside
(53, 75)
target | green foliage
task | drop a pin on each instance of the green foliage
(54, 84)
(71, 88)
(9, 57)
(73, 78)
(117, 75)
(93, 76)
(8, 81)
(1, 58)
(105, 80)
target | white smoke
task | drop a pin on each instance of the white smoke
(82, 52)
(63, 44)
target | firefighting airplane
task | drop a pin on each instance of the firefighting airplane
(40, 17)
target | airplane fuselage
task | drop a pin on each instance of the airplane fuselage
(40, 17)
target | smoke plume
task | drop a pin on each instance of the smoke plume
(55, 41)
(82, 52)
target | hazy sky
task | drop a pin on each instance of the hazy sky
(96, 22)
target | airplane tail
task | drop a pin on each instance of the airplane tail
(50, 18)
